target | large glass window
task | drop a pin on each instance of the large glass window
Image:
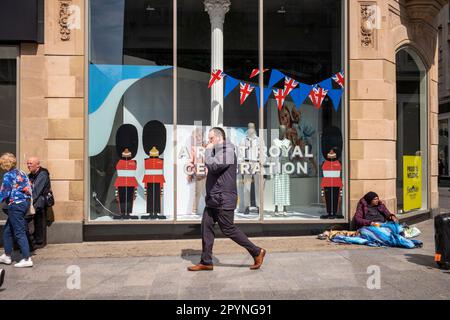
(218, 50)
(302, 42)
(193, 104)
(8, 106)
(239, 56)
(443, 156)
(131, 110)
(412, 135)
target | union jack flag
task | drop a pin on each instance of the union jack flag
(245, 90)
(339, 78)
(317, 95)
(255, 72)
(216, 75)
(289, 85)
(279, 96)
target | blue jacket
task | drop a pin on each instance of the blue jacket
(221, 190)
(16, 187)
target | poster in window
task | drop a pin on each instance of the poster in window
(412, 182)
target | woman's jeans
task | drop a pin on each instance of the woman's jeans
(16, 228)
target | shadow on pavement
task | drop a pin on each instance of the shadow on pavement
(423, 260)
(193, 256)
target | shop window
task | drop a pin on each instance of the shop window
(131, 106)
(412, 155)
(443, 156)
(8, 102)
(302, 42)
(240, 57)
(131, 110)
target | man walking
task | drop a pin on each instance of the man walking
(221, 200)
(40, 181)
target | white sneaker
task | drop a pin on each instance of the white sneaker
(24, 263)
(5, 259)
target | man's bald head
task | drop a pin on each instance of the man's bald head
(33, 164)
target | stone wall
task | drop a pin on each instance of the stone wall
(372, 109)
(52, 95)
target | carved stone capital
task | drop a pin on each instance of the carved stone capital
(217, 10)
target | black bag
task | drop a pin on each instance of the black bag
(49, 198)
(442, 240)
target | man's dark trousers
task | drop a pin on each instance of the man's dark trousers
(40, 226)
(225, 219)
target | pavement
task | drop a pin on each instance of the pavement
(294, 268)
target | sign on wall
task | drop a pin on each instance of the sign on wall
(412, 182)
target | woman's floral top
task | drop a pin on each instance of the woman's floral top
(16, 187)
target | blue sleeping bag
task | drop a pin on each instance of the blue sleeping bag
(387, 235)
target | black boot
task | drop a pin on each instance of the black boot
(325, 216)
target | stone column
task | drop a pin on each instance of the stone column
(372, 110)
(64, 65)
(378, 29)
(216, 10)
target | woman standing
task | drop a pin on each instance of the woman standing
(16, 192)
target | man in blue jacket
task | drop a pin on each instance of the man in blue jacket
(40, 181)
(221, 200)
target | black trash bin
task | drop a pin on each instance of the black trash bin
(442, 240)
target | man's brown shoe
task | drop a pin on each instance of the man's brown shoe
(258, 260)
(201, 267)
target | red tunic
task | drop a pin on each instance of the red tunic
(126, 174)
(331, 174)
(154, 171)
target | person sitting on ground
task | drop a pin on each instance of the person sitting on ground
(371, 211)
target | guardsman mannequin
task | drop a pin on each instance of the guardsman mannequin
(331, 185)
(126, 183)
(154, 140)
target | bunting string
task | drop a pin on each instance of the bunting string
(298, 91)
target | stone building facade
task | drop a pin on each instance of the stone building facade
(53, 107)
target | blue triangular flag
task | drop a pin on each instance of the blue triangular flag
(230, 84)
(267, 92)
(335, 96)
(300, 94)
(326, 84)
(275, 76)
